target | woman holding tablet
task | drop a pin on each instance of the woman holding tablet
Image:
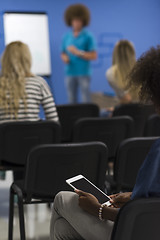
(80, 215)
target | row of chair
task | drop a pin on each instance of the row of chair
(35, 149)
(69, 114)
(17, 139)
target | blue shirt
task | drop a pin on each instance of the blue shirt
(148, 179)
(85, 42)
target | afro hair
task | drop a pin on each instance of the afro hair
(146, 75)
(78, 11)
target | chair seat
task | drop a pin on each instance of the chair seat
(36, 197)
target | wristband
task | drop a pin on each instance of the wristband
(100, 212)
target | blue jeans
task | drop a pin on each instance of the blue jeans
(73, 84)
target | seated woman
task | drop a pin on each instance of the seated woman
(76, 215)
(21, 92)
(122, 63)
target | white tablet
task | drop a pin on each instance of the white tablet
(81, 183)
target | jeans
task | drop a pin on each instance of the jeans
(73, 84)
(70, 222)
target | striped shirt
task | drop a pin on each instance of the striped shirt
(38, 94)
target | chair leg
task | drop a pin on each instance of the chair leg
(11, 214)
(21, 218)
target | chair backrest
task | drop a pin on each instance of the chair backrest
(153, 126)
(18, 138)
(49, 166)
(138, 220)
(70, 113)
(138, 112)
(110, 131)
(129, 158)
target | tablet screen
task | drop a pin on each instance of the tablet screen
(85, 186)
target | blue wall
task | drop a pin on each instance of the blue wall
(138, 21)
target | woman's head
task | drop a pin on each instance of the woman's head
(16, 59)
(77, 16)
(124, 59)
(16, 66)
(146, 76)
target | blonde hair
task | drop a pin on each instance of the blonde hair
(123, 59)
(16, 66)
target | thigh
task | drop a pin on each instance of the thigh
(86, 225)
(63, 230)
(71, 82)
(72, 86)
(84, 82)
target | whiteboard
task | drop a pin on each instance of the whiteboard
(32, 29)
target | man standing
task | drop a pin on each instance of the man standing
(78, 49)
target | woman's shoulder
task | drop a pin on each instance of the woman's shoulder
(110, 73)
(36, 79)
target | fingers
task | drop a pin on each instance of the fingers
(115, 201)
(80, 193)
(114, 195)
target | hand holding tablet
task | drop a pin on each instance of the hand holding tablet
(81, 183)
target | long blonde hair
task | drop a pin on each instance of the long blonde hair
(16, 66)
(123, 59)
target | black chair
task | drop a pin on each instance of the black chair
(138, 220)
(48, 167)
(138, 112)
(18, 138)
(129, 158)
(70, 113)
(153, 126)
(111, 131)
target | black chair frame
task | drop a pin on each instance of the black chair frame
(31, 191)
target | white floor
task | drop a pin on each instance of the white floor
(37, 217)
